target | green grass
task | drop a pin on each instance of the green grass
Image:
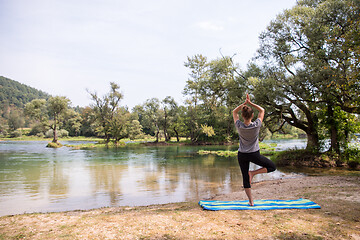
(266, 149)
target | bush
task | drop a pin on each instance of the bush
(54, 145)
(37, 129)
(40, 135)
(352, 155)
(16, 133)
(49, 133)
(60, 133)
(305, 158)
(3, 133)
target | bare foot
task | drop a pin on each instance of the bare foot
(251, 203)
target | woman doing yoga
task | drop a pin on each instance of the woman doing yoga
(249, 150)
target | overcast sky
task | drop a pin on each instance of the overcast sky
(64, 47)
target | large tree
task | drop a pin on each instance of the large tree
(171, 116)
(150, 116)
(105, 109)
(311, 55)
(49, 112)
(57, 106)
(214, 88)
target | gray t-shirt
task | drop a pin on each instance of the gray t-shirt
(248, 136)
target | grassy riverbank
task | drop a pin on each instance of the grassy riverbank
(339, 197)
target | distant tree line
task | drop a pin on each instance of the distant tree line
(18, 94)
(305, 74)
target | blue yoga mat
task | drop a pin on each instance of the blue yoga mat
(258, 204)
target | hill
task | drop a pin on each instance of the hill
(18, 94)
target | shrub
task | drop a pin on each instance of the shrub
(305, 158)
(63, 133)
(37, 129)
(54, 145)
(3, 132)
(49, 133)
(60, 133)
(352, 155)
(16, 133)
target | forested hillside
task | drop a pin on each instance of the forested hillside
(18, 94)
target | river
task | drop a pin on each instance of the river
(34, 178)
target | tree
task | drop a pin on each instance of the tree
(88, 123)
(170, 113)
(48, 113)
(310, 63)
(15, 120)
(105, 109)
(178, 124)
(72, 122)
(134, 129)
(56, 107)
(37, 109)
(119, 123)
(215, 87)
(151, 116)
(283, 103)
(198, 73)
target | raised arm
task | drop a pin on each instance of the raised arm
(236, 111)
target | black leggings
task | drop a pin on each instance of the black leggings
(254, 157)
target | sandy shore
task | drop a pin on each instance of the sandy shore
(339, 217)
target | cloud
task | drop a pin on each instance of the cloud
(209, 26)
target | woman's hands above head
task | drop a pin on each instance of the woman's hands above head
(257, 107)
(247, 99)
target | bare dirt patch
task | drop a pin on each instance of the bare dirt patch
(337, 219)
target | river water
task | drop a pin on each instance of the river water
(34, 178)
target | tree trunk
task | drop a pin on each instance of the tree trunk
(157, 133)
(157, 136)
(312, 141)
(165, 127)
(55, 139)
(177, 135)
(334, 144)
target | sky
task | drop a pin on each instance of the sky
(70, 47)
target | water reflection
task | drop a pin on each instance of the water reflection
(34, 178)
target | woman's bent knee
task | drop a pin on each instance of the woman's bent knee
(271, 168)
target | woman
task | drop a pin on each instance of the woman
(249, 150)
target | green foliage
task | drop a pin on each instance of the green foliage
(104, 110)
(16, 133)
(72, 122)
(3, 131)
(310, 59)
(150, 116)
(352, 156)
(61, 133)
(54, 145)
(37, 109)
(15, 120)
(88, 122)
(207, 130)
(135, 130)
(219, 153)
(38, 129)
(214, 88)
(308, 84)
(48, 113)
(17, 94)
(268, 149)
(118, 126)
(305, 158)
